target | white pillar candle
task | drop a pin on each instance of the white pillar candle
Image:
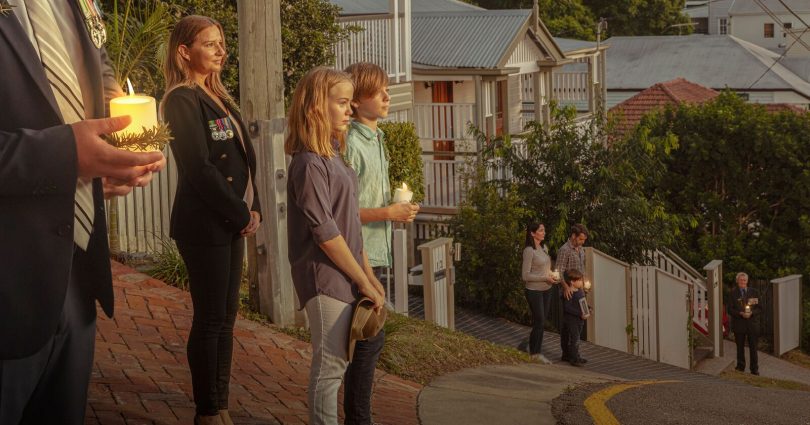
(142, 109)
(402, 194)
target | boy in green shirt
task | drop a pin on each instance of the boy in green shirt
(365, 153)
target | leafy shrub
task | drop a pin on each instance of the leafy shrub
(169, 266)
(490, 228)
(405, 157)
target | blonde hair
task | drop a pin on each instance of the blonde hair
(368, 79)
(308, 118)
(177, 70)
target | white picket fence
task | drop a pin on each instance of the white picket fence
(143, 215)
(642, 309)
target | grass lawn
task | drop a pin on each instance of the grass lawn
(761, 381)
(797, 357)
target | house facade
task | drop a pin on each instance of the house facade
(384, 39)
(495, 70)
(777, 25)
(717, 62)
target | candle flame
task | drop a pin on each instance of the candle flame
(129, 88)
(404, 186)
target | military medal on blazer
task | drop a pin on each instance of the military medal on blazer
(93, 21)
(221, 129)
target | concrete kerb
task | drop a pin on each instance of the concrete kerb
(501, 394)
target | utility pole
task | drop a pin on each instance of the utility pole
(262, 103)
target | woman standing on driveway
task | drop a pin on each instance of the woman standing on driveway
(536, 273)
(216, 204)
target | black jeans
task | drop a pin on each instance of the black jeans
(569, 336)
(753, 340)
(214, 274)
(359, 378)
(539, 304)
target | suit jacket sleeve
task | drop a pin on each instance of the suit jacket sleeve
(186, 121)
(38, 162)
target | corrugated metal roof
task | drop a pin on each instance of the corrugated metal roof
(473, 39)
(715, 61)
(374, 7)
(748, 7)
(570, 45)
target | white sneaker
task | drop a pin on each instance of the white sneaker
(541, 358)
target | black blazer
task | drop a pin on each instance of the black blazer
(37, 187)
(736, 305)
(212, 174)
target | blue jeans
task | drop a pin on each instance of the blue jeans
(359, 378)
(539, 303)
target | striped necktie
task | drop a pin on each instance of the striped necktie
(68, 94)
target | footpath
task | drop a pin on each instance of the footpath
(141, 376)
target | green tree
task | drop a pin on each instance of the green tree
(309, 32)
(741, 175)
(558, 175)
(563, 18)
(641, 17)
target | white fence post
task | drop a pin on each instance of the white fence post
(401, 271)
(787, 313)
(714, 285)
(437, 280)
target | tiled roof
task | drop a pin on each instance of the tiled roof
(660, 95)
(674, 92)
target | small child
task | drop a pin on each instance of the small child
(573, 319)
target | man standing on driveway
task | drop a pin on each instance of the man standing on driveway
(744, 310)
(53, 235)
(571, 256)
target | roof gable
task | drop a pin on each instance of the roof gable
(474, 39)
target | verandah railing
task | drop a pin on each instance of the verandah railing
(382, 40)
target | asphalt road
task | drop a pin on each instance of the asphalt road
(689, 403)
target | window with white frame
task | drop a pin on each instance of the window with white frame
(722, 25)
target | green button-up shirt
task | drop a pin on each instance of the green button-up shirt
(365, 153)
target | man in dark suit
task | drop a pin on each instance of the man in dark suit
(54, 257)
(744, 310)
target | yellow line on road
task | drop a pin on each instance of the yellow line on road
(596, 403)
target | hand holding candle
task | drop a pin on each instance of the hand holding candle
(402, 194)
(587, 285)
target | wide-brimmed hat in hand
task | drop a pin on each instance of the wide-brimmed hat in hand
(366, 323)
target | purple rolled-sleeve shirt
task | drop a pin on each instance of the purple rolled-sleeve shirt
(323, 204)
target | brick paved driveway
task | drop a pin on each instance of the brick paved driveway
(141, 374)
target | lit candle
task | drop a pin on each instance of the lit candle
(747, 309)
(141, 108)
(402, 194)
(587, 285)
(555, 274)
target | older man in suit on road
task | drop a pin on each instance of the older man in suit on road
(54, 257)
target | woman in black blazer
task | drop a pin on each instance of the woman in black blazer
(216, 204)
